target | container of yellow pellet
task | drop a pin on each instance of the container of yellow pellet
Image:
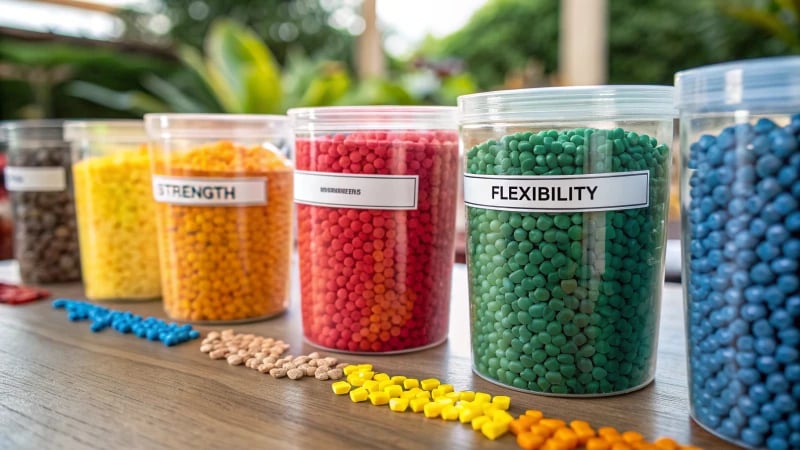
(223, 190)
(115, 209)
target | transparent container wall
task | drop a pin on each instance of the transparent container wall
(373, 279)
(115, 210)
(6, 221)
(39, 182)
(223, 187)
(740, 189)
(567, 303)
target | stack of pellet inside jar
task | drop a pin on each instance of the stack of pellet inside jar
(565, 292)
(740, 139)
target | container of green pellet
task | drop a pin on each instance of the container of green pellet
(566, 193)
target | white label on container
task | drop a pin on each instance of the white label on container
(36, 179)
(210, 191)
(571, 193)
(396, 192)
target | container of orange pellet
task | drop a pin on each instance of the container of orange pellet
(375, 195)
(115, 209)
(223, 191)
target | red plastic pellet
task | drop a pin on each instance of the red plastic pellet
(379, 280)
(13, 294)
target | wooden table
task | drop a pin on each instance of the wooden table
(62, 386)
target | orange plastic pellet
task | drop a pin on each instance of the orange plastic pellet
(541, 430)
(536, 414)
(621, 445)
(530, 441)
(610, 434)
(552, 424)
(521, 424)
(583, 430)
(567, 436)
(665, 443)
(233, 262)
(597, 443)
(632, 436)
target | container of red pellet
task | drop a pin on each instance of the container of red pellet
(375, 189)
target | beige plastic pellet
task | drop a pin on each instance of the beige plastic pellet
(335, 374)
(331, 361)
(323, 369)
(313, 355)
(289, 365)
(235, 360)
(321, 376)
(295, 374)
(205, 348)
(341, 365)
(310, 371)
(278, 372)
(213, 335)
(218, 354)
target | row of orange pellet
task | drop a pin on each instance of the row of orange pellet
(486, 413)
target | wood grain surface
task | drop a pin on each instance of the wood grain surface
(62, 386)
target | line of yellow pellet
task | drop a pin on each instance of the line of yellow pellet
(486, 413)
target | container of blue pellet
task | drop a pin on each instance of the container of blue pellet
(566, 193)
(740, 190)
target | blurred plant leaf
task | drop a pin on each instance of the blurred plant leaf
(770, 21)
(237, 57)
(178, 101)
(455, 86)
(133, 101)
(226, 97)
(376, 91)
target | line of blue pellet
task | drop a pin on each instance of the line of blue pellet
(126, 322)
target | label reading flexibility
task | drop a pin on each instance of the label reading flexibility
(570, 193)
(395, 192)
(36, 179)
(210, 191)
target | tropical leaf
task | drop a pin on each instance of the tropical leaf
(224, 94)
(177, 99)
(136, 102)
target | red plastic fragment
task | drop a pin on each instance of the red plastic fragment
(13, 294)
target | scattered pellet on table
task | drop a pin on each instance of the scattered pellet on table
(125, 322)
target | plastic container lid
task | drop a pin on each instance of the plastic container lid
(361, 118)
(216, 126)
(34, 130)
(568, 104)
(751, 84)
(104, 130)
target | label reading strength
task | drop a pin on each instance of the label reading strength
(569, 193)
(210, 191)
(347, 190)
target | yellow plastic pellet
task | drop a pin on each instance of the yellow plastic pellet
(366, 374)
(469, 413)
(501, 401)
(359, 395)
(494, 430)
(424, 394)
(478, 422)
(437, 393)
(398, 404)
(456, 396)
(447, 388)
(466, 396)
(355, 380)
(371, 385)
(340, 387)
(379, 398)
(382, 385)
(349, 369)
(398, 380)
(502, 417)
(450, 412)
(364, 367)
(418, 404)
(482, 397)
(381, 377)
(410, 383)
(432, 409)
(393, 390)
(429, 384)
(408, 394)
(444, 401)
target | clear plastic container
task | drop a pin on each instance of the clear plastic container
(115, 209)
(6, 222)
(39, 182)
(375, 193)
(223, 188)
(740, 190)
(566, 192)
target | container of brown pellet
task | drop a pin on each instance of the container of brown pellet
(223, 191)
(375, 194)
(38, 179)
